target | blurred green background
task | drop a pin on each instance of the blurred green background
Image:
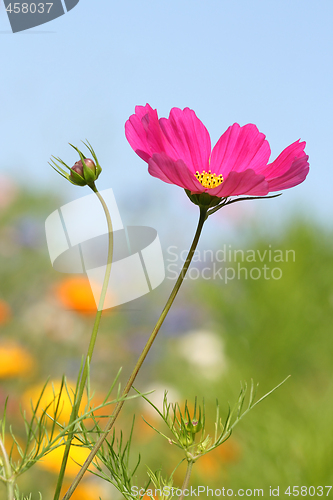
(216, 336)
(80, 77)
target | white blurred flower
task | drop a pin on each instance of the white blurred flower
(157, 397)
(46, 318)
(203, 349)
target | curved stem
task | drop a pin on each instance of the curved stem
(142, 357)
(8, 472)
(186, 478)
(82, 383)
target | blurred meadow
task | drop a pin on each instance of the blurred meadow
(216, 336)
(80, 77)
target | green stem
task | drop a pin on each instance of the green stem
(82, 383)
(186, 478)
(8, 472)
(142, 357)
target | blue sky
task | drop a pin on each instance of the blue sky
(81, 75)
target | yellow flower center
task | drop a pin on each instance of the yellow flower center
(209, 180)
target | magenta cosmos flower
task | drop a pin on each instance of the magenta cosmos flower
(178, 151)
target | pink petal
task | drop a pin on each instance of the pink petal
(239, 149)
(294, 176)
(173, 172)
(187, 139)
(238, 183)
(284, 161)
(143, 132)
(141, 111)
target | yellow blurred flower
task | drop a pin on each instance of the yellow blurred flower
(14, 360)
(11, 447)
(50, 399)
(77, 455)
(5, 312)
(75, 293)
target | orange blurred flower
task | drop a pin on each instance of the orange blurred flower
(143, 432)
(87, 491)
(8, 191)
(14, 360)
(75, 293)
(5, 312)
(210, 464)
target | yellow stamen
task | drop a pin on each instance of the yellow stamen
(209, 180)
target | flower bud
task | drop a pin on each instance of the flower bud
(78, 166)
(194, 426)
(84, 172)
(186, 439)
